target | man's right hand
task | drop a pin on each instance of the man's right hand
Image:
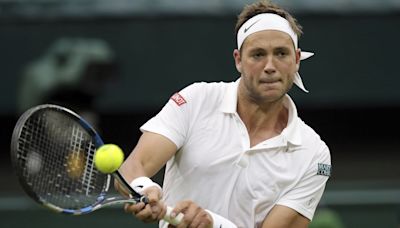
(154, 211)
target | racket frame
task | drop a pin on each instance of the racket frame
(101, 200)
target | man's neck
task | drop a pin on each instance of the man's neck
(262, 121)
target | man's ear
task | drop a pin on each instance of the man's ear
(298, 55)
(238, 60)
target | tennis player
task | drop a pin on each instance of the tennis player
(236, 153)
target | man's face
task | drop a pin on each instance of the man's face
(267, 62)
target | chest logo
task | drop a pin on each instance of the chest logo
(178, 99)
(324, 169)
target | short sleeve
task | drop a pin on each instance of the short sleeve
(306, 194)
(173, 120)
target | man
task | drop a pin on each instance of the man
(236, 154)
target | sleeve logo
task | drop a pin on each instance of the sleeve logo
(178, 99)
(324, 169)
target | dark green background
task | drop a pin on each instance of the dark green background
(355, 62)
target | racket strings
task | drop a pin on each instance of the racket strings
(57, 161)
(88, 182)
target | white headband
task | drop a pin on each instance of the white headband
(271, 21)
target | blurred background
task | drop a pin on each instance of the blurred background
(117, 62)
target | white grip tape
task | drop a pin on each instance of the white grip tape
(173, 221)
(142, 183)
(220, 222)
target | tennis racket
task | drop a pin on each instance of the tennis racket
(52, 151)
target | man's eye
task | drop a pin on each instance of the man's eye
(258, 55)
(281, 53)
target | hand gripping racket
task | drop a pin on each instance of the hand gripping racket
(52, 151)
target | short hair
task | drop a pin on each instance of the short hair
(266, 6)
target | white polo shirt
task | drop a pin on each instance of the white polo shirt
(216, 167)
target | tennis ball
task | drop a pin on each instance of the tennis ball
(108, 158)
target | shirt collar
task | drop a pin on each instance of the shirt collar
(291, 133)
(229, 102)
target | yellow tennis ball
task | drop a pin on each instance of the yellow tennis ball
(108, 158)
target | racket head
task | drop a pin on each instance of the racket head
(52, 150)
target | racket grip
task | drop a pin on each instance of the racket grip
(173, 221)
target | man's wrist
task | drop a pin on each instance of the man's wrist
(140, 184)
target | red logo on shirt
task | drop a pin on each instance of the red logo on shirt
(178, 99)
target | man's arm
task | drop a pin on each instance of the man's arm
(284, 217)
(149, 156)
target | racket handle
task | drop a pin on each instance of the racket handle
(173, 221)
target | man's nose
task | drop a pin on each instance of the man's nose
(269, 67)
